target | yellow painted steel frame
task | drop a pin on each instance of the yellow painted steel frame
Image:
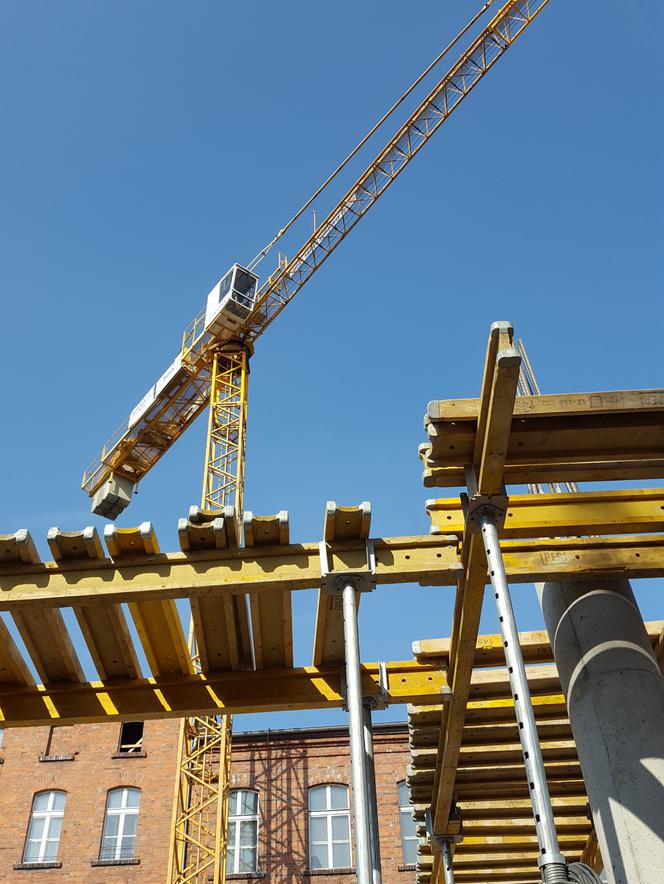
(223, 481)
(200, 808)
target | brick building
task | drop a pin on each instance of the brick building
(55, 785)
(93, 804)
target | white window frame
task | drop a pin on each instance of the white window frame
(123, 812)
(402, 809)
(238, 819)
(48, 816)
(328, 813)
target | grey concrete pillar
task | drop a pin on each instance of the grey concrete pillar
(615, 696)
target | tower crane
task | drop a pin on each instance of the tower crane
(210, 370)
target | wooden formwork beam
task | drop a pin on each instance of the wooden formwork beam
(499, 387)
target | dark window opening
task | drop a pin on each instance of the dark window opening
(131, 737)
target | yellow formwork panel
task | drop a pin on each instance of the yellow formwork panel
(157, 621)
(49, 644)
(102, 623)
(340, 523)
(271, 613)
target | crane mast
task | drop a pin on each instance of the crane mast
(211, 370)
(198, 843)
(225, 449)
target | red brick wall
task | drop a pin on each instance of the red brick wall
(282, 767)
(86, 780)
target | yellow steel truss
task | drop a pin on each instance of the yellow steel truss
(200, 807)
(223, 480)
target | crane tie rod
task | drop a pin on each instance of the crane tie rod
(259, 257)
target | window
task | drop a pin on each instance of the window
(242, 855)
(408, 832)
(131, 738)
(329, 827)
(118, 840)
(41, 845)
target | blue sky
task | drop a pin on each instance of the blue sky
(148, 146)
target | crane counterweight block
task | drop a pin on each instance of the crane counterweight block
(113, 497)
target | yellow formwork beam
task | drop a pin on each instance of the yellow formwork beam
(429, 561)
(489, 651)
(175, 695)
(559, 515)
(580, 437)
(196, 694)
(496, 405)
(554, 405)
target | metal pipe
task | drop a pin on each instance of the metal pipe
(356, 729)
(551, 861)
(371, 791)
(448, 871)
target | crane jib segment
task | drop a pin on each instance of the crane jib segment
(134, 450)
(477, 59)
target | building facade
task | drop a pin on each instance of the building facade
(299, 783)
(93, 804)
(87, 804)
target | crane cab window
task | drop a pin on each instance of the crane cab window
(245, 282)
(244, 286)
(225, 284)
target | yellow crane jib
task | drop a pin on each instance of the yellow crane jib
(184, 390)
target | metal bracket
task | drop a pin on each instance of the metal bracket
(333, 582)
(380, 700)
(454, 824)
(376, 701)
(475, 505)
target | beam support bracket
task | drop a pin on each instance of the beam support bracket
(476, 505)
(454, 834)
(333, 582)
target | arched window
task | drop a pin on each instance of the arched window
(118, 839)
(242, 855)
(41, 844)
(408, 831)
(329, 827)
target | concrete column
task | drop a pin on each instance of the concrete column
(615, 696)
